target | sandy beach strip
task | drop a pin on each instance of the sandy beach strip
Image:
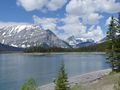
(83, 79)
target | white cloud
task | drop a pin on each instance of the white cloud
(70, 19)
(83, 7)
(45, 23)
(56, 4)
(30, 5)
(73, 26)
(94, 33)
(92, 18)
(109, 6)
(80, 7)
(89, 10)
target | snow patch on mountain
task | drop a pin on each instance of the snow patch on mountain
(77, 42)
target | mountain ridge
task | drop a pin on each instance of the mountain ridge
(29, 35)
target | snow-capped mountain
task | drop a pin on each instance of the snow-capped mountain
(76, 42)
(29, 35)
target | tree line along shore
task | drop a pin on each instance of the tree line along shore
(93, 48)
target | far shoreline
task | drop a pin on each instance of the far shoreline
(51, 53)
(54, 53)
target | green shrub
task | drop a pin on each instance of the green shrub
(29, 85)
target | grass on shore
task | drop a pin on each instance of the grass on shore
(105, 83)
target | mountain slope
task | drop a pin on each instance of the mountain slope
(29, 35)
(9, 48)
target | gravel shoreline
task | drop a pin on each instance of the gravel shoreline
(83, 79)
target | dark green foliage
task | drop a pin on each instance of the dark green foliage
(29, 85)
(42, 49)
(93, 48)
(61, 80)
(118, 24)
(111, 35)
(113, 44)
(117, 44)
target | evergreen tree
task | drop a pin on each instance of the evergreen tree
(117, 43)
(111, 35)
(113, 43)
(61, 80)
(29, 85)
(118, 24)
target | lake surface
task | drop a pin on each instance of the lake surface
(16, 68)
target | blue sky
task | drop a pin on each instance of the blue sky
(81, 18)
(11, 12)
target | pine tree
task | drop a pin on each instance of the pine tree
(29, 85)
(117, 43)
(61, 80)
(118, 24)
(111, 35)
(113, 43)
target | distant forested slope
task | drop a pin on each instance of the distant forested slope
(93, 48)
(4, 47)
(101, 47)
